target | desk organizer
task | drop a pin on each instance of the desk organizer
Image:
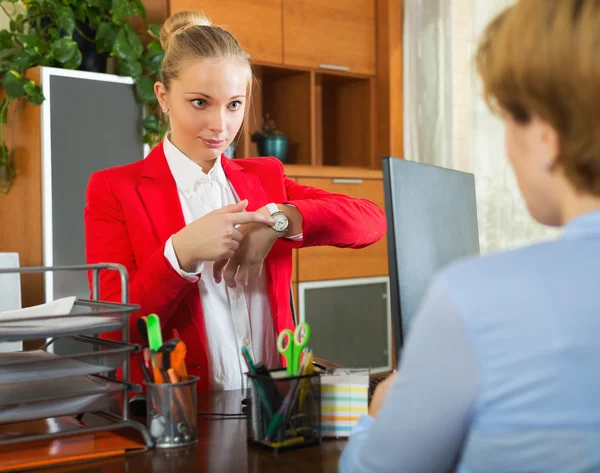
(39, 384)
(285, 412)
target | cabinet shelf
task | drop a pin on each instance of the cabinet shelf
(345, 121)
(327, 116)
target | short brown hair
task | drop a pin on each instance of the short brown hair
(542, 57)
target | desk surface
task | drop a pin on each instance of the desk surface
(221, 448)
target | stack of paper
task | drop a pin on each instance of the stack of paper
(344, 398)
(57, 318)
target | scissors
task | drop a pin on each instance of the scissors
(290, 345)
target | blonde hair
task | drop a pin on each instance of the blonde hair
(190, 35)
(542, 57)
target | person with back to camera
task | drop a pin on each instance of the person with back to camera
(207, 241)
(501, 369)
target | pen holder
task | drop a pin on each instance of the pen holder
(171, 412)
(285, 412)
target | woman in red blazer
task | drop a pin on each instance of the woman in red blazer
(136, 214)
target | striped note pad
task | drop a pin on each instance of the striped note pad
(344, 398)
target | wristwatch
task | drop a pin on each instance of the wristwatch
(281, 221)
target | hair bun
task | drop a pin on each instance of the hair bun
(180, 21)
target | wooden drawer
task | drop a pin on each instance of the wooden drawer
(255, 23)
(330, 34)
(323, 263)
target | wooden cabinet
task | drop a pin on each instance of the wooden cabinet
(330, 34)
(255, 23)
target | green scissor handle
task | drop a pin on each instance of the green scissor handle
(290, 345)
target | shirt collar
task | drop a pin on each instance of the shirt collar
(187, 173)
(584, 226)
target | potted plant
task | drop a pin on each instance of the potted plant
(76, 34)
(270, 141)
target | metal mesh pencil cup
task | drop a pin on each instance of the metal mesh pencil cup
(285, 412)
(171, 412)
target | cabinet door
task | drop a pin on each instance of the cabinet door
(255, 23)
(330, 34)
(326, 262)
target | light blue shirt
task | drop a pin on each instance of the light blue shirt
(501, 369)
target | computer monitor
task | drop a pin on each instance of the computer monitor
(432, 221)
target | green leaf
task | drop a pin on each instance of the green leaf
(134, 40)
(6, 55)
(47, 59)
(17, 25)
(141, 10)
(101, 4)
(65, 50)
(121, 47)
(105, 37)
(154, 31)
(121, 9)
(75, 62)
(129, 68)
(34, 93)
(6, 40)
(3, 111)
(153, 57)
(29, 40)
(145, 90)
(13, 85)
(66, 19)
(4, 154)
(54, 32)
(25, 59)
(151, 123)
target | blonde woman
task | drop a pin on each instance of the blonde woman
(207, 240)
(501, 370)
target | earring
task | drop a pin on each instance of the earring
(165, 110)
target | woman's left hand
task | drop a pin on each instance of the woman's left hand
(247, 262)
(381, 393)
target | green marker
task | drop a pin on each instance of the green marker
(154, 333)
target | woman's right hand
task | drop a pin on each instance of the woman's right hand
(214, 236)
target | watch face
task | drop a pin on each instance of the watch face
(281, 223)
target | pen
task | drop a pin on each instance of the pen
(276, 420)
(259, 390)
(143, 329)
(146, 373)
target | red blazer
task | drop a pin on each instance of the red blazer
(132, 210)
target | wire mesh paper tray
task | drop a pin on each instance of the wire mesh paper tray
(86, 318)
(63, 392)
(92, 356)
(54, 398)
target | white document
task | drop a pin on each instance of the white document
(58, 307)
(26, 323)
(10, 293)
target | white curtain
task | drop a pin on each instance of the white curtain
(427, 88)
(448, 124)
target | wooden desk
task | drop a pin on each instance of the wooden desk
(221, 448)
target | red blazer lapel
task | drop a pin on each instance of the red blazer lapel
(159, 194)
(246, 185)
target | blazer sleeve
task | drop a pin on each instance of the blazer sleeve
(154, 285)
(330, 219)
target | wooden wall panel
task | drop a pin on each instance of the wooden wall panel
(21, 208)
